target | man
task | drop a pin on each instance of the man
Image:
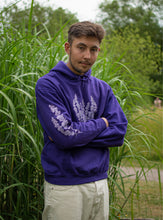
(81, 118)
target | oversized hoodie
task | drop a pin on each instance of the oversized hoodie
(69, 108)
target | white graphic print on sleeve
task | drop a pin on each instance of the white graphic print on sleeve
(61, 123)
(84, 112)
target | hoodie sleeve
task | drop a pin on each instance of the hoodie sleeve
(56, 120)
(114, 134)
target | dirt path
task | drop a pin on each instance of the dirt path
(151, 175)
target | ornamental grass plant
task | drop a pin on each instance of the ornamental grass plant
(143, 142)
(24, 57)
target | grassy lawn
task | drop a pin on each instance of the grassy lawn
(144, 202)
(150, 123)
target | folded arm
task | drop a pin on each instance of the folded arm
(57, 123)
(115, 132)
(55, 118)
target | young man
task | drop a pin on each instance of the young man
(81, 118)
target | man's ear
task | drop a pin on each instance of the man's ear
(67, 47)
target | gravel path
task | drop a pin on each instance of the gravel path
(151, 175)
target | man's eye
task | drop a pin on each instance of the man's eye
(94, 49)
(81, 48)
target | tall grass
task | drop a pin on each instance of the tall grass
(143, 141)
(24, 57)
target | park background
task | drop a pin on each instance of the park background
(32, 38)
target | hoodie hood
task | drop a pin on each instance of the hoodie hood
(63, 69)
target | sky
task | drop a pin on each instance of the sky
(84, 9)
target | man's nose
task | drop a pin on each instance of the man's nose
(87, 54)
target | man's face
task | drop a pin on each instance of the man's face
(82, 53)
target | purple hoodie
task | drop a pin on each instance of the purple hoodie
(70, 108)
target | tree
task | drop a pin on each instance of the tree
(42, 16)
(143, 14)
(142, 17)
(140, 55)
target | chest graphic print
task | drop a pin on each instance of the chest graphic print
(83, 111)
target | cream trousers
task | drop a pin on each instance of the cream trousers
(88, 201)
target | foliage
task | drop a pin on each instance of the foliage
(144, 15)
(140, 23)
(42, 17)
(140, 55)
(23, 60)
(152, 125)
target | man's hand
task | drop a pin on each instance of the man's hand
(50, 139)
(106, 121)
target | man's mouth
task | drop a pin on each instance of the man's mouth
(85, 63)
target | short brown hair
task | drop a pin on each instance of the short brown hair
(87, 29)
